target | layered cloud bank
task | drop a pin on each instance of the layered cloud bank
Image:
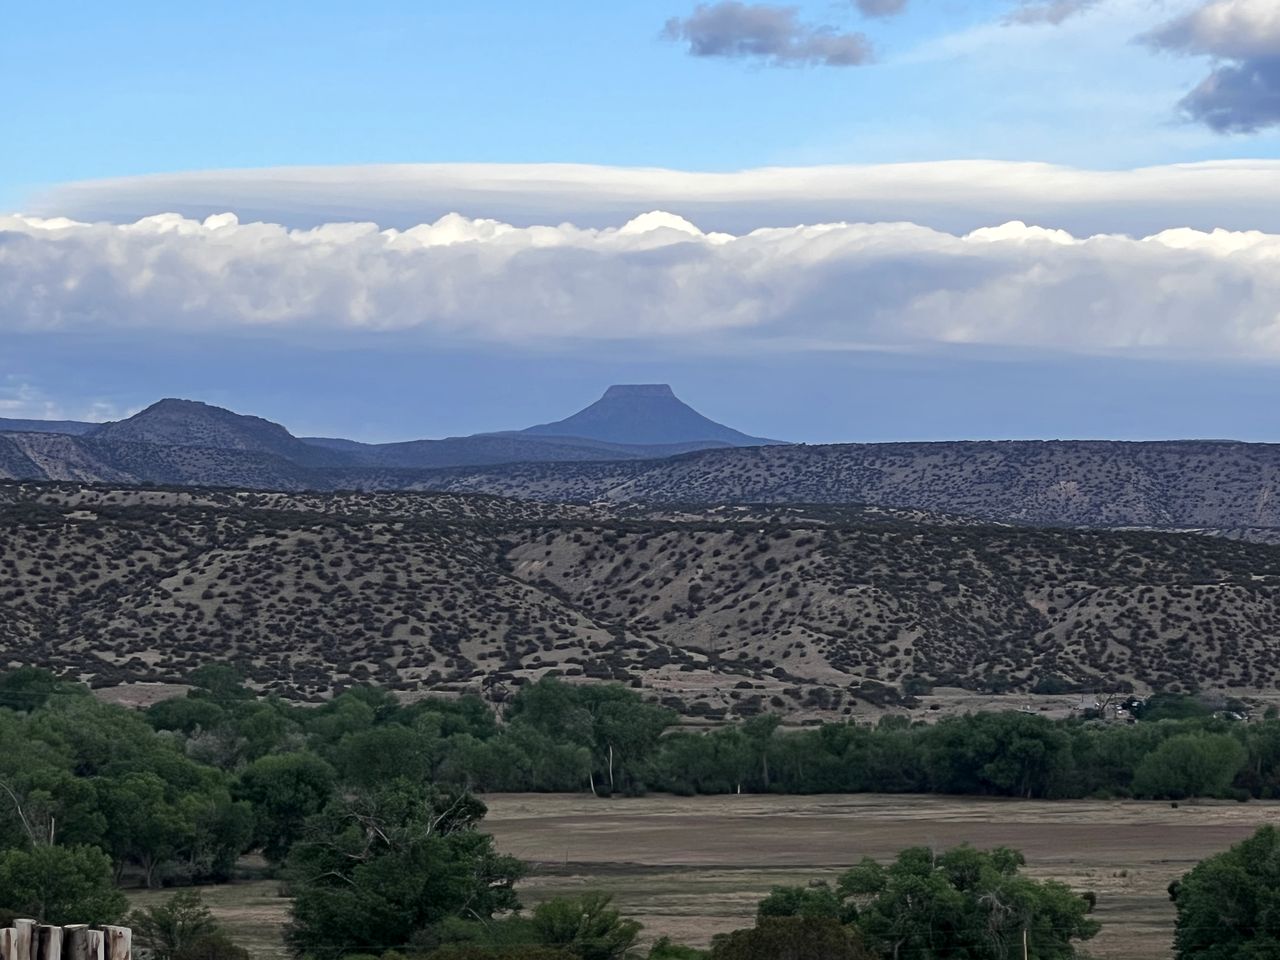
(657, 278)
(955, 196)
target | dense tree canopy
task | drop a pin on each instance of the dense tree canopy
(1229, 905)
(964, 903)
(60, 885)
(375, 867)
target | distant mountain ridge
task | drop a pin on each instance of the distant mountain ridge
(73, 428)
(162, 443)
(1219, 486)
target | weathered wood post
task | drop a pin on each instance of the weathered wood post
(49, 943)
(24, 940)
(76, 941)
(119, 943)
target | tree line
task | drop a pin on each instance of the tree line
(177, 792)
(607, 739)
(367, 809)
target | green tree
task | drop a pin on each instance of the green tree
(29, 688)
(160, 824)
(664, 949)
(964, 903)
(284, 790)
(186, 714)
(587, 927)
(1229, 905)
(1171, 706)
(817, 901)
(1190, 765)
(620, 729)
(60, 885)
(218, 681)
(1010, 754)
(791, 938)
(369, 757)
(374, 868)
(166, 929)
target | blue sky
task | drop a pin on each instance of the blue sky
(136, 89)
(117, 89)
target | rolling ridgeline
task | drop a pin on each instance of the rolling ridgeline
(744, 577)
(639, 443)
(717, 612)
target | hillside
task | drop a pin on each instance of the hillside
(717, 609)
(1228, 488)
(1180, 484)
(199, 426)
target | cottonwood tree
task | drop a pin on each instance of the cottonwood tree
(60, 885)
(792, 938)
(284, 790)
(1190, 765)
(375, 867)
(1229, 905)
(967, 903)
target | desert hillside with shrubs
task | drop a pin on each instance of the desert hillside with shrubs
(716, 611)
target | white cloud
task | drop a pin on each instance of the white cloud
(956, 196)
(657, 278)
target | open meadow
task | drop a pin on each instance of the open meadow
(691, 867)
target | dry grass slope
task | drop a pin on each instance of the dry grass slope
(720, 609)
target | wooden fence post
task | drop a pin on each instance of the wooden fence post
(119, 943)
(76, 941)
(49, 943)
(24, 939)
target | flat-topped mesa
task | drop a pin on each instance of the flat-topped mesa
(639, 390)
(644, 413)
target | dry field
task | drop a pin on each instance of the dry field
(693, 867)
